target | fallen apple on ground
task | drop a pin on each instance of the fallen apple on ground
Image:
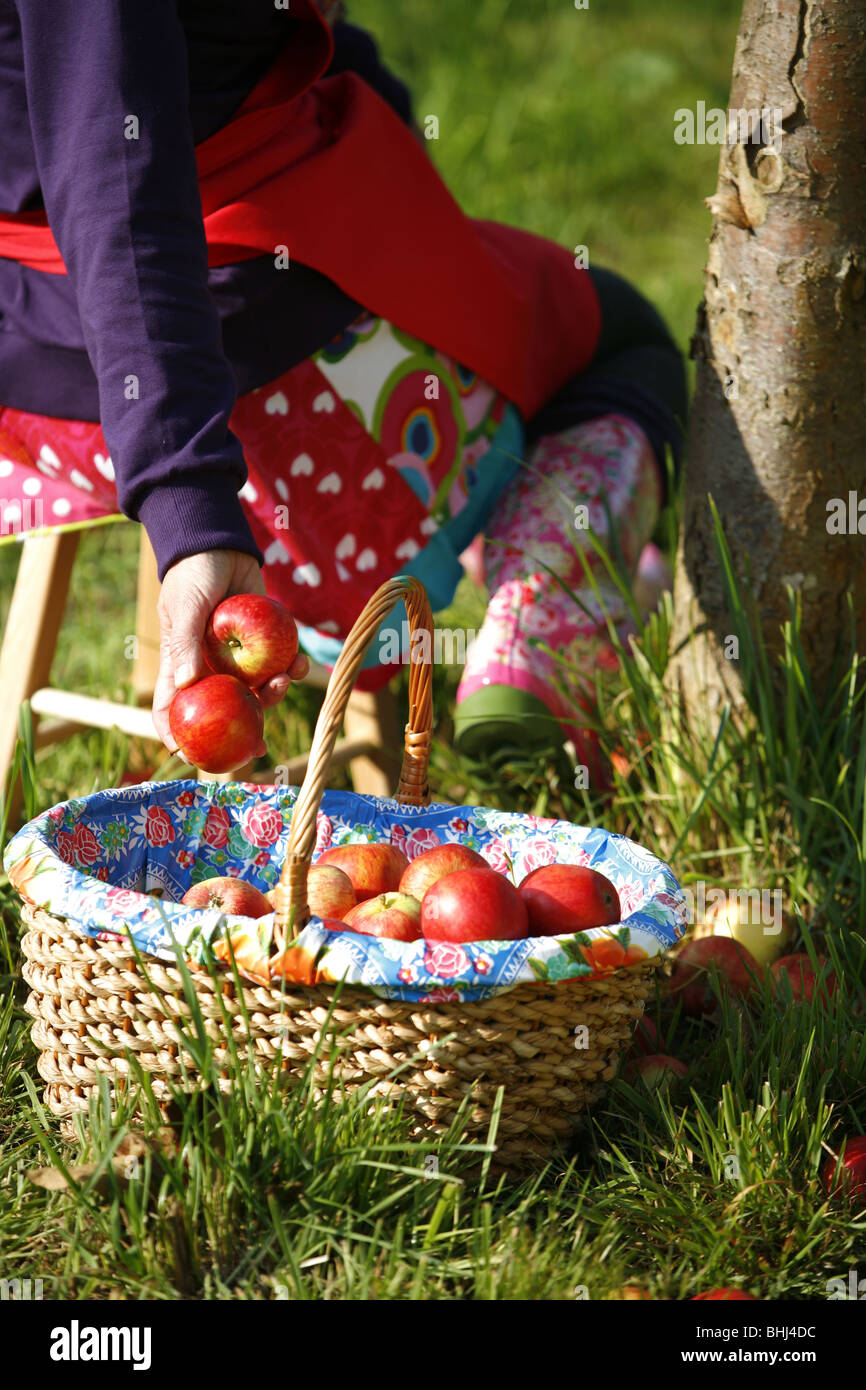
(217, 723)
(396, 915)
(725, 1295)
(251, 637)
(565, 898)
(372, 868)
(647, 1037)
(738, 916)
(850, 1180)
(435, 863)
(690, 981)
(803, 979)
(656, 1069)
(473, 905)
(232, 895)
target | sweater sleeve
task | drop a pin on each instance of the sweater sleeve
(107, 94)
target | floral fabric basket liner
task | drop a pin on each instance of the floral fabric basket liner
(96, 860)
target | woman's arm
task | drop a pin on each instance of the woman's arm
(108, 103)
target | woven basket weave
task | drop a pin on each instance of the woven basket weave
(92, 1002)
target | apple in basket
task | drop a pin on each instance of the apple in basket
(473, 905)
(231, 895)
(373, 869)
(565, 898)
(396, 915)
(329, 891)
(251, 637)
(217, 723)
(690, 979)
(435, 863)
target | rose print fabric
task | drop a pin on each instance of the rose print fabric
(96, 861)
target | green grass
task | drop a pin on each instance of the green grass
(714, 1181)
(559, 120)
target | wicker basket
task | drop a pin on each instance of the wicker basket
(93, 1004)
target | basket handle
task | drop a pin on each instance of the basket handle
(291, 892)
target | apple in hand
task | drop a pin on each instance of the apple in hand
(435, 863)
(565, 898)
(804, 981)
(851, 1179)
(373, 869)
(251, 637)
(232, 895)
(473, 905)
(217, 723)
(690, 980)
(396, 915)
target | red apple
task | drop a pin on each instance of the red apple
(217, 723)
(231, 895)
(803, 978)
(251, 637)
(727, 1295)
(690, 980)
(647, 1038)
(656, 1069)
(397, 915)
(565, 898)
(851, 1179)
(373, 869)
(473, 905)
(744, 917)
(329, 892)
(434, 864)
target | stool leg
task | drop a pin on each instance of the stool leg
(30, 638)
(372, 716)
(146, 665)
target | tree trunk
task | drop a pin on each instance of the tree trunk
(778, 429)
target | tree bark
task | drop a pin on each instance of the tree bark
(778, 428)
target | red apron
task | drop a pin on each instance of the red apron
(327, 169)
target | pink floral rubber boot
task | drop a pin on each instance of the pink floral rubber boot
(603, 475)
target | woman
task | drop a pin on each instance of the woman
(237, 301)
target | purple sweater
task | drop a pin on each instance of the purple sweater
(138, 300)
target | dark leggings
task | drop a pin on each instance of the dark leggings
(637, 370)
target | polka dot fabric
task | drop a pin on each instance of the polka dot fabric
(355, 458)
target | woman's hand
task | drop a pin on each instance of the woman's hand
(190, 592)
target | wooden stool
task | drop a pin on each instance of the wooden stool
(30, 640)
